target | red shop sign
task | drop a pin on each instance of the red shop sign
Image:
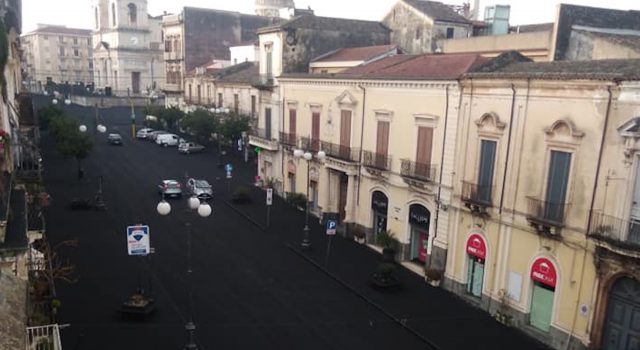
(544, 271)
(476, 246)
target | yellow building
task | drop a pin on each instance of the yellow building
(535, 142)
(388, 131)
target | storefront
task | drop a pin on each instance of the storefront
(476, 258)
(419, 221)
(544, 278)
(379, 205)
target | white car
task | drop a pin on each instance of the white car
(143, 133)
(167, 140)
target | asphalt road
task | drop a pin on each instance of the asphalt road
(250, 289)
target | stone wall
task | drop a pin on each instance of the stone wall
(13, 301)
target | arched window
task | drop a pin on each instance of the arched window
(133, 13)
(113, 14)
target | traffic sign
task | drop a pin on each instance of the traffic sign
(138, 242)
(258, 150)
(269, 196)
(228, 174)
(228, 167)
(332, 225)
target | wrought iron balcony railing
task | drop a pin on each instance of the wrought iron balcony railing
(616, 231)
(473, 193)
(264, 81)
(418, 171)
(310, 144)
(341, 152)
(376, 160)
(289, 139)
(265, 134)
(546, 213)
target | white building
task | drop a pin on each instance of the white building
(127, 58)
(58, 54)
(245, 53)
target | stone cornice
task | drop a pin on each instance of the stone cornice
(406, 84)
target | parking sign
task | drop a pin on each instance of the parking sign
(332, 225)
(228, 167)
(269, 196)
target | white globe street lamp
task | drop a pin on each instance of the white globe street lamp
(194, 203)
(163, 208)
(298, 153)
(82, 128)
(67, 102)
(321, 155)
(54, 101)
(204, 210)
(101, 128)
(308, 156)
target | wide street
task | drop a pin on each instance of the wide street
(252, 288)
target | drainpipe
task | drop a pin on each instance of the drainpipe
(444, 141)
(506, 162)
(364, 102)
(593, 200)
(284, 102)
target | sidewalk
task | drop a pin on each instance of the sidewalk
(435, 315)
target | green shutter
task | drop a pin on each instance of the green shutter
(478, 275)
(541, 307)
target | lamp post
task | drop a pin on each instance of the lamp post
(204, 210)
(308, 156)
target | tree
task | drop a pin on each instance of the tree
(201, 123)
(171, 116)
(70, 142)
(46, 114)
(233, 126)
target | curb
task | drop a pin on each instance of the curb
(249, 218)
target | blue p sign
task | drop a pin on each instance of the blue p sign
(332, 225)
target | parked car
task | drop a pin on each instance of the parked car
(170, 188)
(154, 134)
(199, 188)
(166, 140)
(190, 147)
(143, 133)
(114, 139)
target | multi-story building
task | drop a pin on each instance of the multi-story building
(127, 58)
(57, 54)
(197, 36)
(417, 25)
(344, 58)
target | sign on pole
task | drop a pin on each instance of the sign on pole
(228, 174)
(138, 242)
(228, 167)
(269, 196)
(332, 225)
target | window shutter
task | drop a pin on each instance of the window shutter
(382, 140)
(425, 140)
(292, 123)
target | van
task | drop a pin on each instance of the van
(167, 140)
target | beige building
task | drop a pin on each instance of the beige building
(540, 147)
(58, 54)
(344, 58)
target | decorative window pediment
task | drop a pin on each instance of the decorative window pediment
(428, 120)
(346, 100)
(630, 131)
(564, 131)
(383, 115)
(490, 124)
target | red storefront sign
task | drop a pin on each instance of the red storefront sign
(476, 246)
(422, 247)
(543, 271)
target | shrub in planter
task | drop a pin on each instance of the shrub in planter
(241, 195)
(297, 200)
(389, 244)
(359, 235)
(433, 276)
(384, 277)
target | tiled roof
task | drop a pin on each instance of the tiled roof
(437, 10)
(328, 23)
(409, 67)
(618, 69)
(59, 30)
(356, 53)
(243, 73)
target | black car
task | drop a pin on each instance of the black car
(114, 139)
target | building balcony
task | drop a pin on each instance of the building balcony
(615, 234)
(264, 139)
(546, 217)
(309, 144)
(264, 82)
(376, 161)
(418, 171)
(476, 197)
(287, 139)
(340, 152)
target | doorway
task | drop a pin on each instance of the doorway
(621, 327)
(342, 198)
(135, 82)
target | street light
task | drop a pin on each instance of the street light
(308, 156)
(101, 128)
(82, 128)
(204, 210)
(54, 101)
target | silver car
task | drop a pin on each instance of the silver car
(170, 188)
(199, 188)
(143, 133)
(190, 147)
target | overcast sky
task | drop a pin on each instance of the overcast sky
(77, 13)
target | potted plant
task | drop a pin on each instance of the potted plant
(433, 276)
(241, 195)
(297, 200)
(384, 277)
(359, 235)
(389, 244)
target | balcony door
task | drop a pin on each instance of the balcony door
(634, 221)
(423, 151)
(557, 182)
(292, 126)
(315, 131)
(267, 123)
(382, 145)
(345, 133)
(485, 173)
